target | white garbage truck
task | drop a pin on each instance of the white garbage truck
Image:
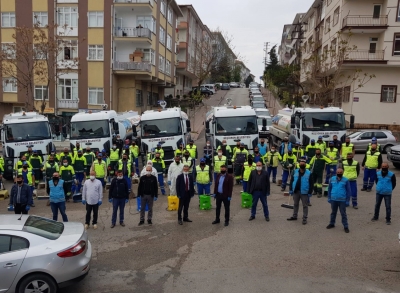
(20, 131)
(305, 124)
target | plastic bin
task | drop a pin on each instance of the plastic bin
(205, 202)
(247, 200)
(139, 204)
(173, 203)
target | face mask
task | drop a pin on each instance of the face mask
(185, 173)
(186, 156)
(339, 175)
(65, 164)
(114, 147)
(224, 143)
(23, 160)
(220, 154)
(223, 171)
(373, 150)
(80, 155)
(119, 177)
(302, 167)
(262, 143)
(241, 148)
(19, 182)
(124, 159)
(202, 164)
(385, 170)
(88, 151)
(259, 168)
(148, 172)
(331, 148)
(290, 153)
(99, 159)
(92, 177)
(177, 162)
(25, 167)
(335, 139)
(65, 153)
(55, 178)
(238, 145)
(313, 143)
(250, 162)
(317, 155)
(51, 161)
(35, 155)
(157, 158)
(256, 152)
(319, 141)
(272, 151)
(208, 144)
(191, 144)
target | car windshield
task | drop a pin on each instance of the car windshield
(90, 129)
(260, 120)
(258, 99)
(258, 105)
(27, 131)
(161, 127)
(43, 227)
(324, 121)
(236, 125)
(355, 134)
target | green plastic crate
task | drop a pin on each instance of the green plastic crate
(205, 202)
(247, 200)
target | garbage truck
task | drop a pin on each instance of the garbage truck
(20, 131)
(304, 124)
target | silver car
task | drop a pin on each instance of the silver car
(361, 139)
(41, 255)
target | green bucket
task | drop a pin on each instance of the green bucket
(247, 200)
(205, 202)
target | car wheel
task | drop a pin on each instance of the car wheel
(386, 150)
(396, 165)
(37, 283)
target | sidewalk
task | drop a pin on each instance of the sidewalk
(273, 104)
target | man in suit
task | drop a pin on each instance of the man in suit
(185, 191)
(223, 193)
(259, 187)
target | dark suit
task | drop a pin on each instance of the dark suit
(227, 188)
(183, 195)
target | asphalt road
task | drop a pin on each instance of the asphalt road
(258, 256)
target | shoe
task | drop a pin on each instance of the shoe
(330, 226)
(122, 224)
(267, 219)
(273, 181)
(346, 230)
(374, 219)
(304, 221)
(95, 226)
(180, 222)
(292, 219)
(388, 223)
(226, 224)
(309, 204)
(363, 189)
(187, 220)
(86, 226)
(283, 189)
(355, 207)
(251, 218)
(32, 205)
(141, 223)
(368, 190)
(149, 222)
(112, 225)
(215, 222)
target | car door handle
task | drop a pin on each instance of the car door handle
(10, 265)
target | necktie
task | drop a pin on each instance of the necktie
(186, 183)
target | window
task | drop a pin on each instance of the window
(39, 51)
(372, 45)
(377, 11)
(147, 22)
(170, 15)
(311, 23)
(398, 12)
(380, 135)
(396, 45)
(149, 56)
(9, 85)
(162, 35)
(323, 8)
(168, 67)
(43, 227)
(388, 94)
(162, 7)
(41, 92)
(96, 52)
(161, 64)
(366, 136)
(169, 42)
(336, 16)
(5, 242)
(96, 19)
(9, 51)
(40, 18)
(149, 99)
(96, 96)
(67, 16)
(333, 47)
(8, 19)
(17, 109)
(156, 98)
(325, 52)
(139, 98)
(328, 25)
(67, 89)
(70, 50)
(346, 94)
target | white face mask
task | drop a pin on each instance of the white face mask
(65, 164)
(259, 168)
(185, 173)
(114, 147)
(148, 172)
(120, 177)
(92, 177)
(220, 154)
(208, 144)
(224, 143)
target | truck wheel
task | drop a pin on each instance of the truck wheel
(396, 165)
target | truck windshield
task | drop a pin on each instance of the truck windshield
(27, 131)
(324, 121)
(90, 129)
(236, 125)
(161, 127)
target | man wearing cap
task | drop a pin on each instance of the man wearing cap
(90, 157)
(79, 168)
(284, 147)
(288, 164)
(310, 150)
(374, 141)
(100, 167)
(239, 158)
(66, 155)
(337, 143)
(298, 150)
(208, 153)
(202, 176)
(321, 144)
(333, 154)
(76, 149)
(272, 159)
(219, 160)
(226, 150)
(348, 147)
(371, 163)
(29, 153)
(247, 168)
(119, 143)
(159, 165)
(134, 151)
(19, 164)
(262, 147)
(192, 148)
(36, 163)
(28, 175)
(237, 147)
(160, 150)
(179, 151)
(351, 171)
(317, 164)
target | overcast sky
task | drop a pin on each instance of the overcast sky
(250, 22)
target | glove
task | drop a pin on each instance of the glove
(329, 201)
(213, 195)
(110, 200)
(195, 183)
(100, 202)
(310, 195)
(83, 202)
(169, 182)
(229, 198)
(290, 165)
(155, 198)
(267, 194)
(347, 203)
(126, 200)
(210, 183)
(27, 208)
(291, 192)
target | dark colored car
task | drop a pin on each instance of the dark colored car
(225, 86)
(203, 90)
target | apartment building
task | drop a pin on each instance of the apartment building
(372, 28)
(244, 71)
(222, 49)
(296, 35)
(284, 48)
(126, 51)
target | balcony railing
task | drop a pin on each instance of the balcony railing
(365, 55)
(67, 104)
(135, 66)
(132, 32)
(134, 1)
(365, 20)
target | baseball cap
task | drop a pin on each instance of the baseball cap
(331, 142)
(313, 140)
(374, 138)
(25, 163)
(242, 143)
(191, 141)
(35, 151)
(79, 151)
(159, 144)
(202, 160)
(320, 137)
(103, 151)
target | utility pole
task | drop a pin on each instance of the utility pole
(266, 45)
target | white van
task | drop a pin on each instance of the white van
(211, 87)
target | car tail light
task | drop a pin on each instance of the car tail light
(73, 251)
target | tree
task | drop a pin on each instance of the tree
(203, 63)
(36, 57)
(222, 72)
(236, 74)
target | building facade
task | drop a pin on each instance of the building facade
(126, 51)
(244, 71)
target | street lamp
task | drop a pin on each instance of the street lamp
(305, 99)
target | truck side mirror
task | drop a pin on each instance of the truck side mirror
(352, 120)
(188, 123)
(293, 122)
(134, 132)
(64, 131)
(115, 126)
(208, 125)
(264, 122)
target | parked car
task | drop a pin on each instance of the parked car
(263, 112)
(211, 87)
(41, 255)
(361, 139)
(258, 99)
(255, 95)
(394, 156)
(264, 134)
(225, 86)
(255, 92)
(258, 105)
(203, 90)
(233, 84)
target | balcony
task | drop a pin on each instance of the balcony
(182, 25)
(183, 45)
(365, 56)
(181, 65)
(67, 104)
(291, 60)
(128, 33)
(132, 66)
(365, 23)
(136, 3)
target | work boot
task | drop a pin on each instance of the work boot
(283, 189)
(149, 222)
(330, 226)
(252, 218)
(374, 219)
(95, 226)
(369, 190)
(363, 189)
(292, 219)
(355, 207)
(388, 222)
(304, 221)
(141, 223)
(216, 222)
(346, 230)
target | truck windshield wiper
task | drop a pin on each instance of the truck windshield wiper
(37, 136)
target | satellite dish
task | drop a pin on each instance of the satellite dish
(305, 98)
(163, 104)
